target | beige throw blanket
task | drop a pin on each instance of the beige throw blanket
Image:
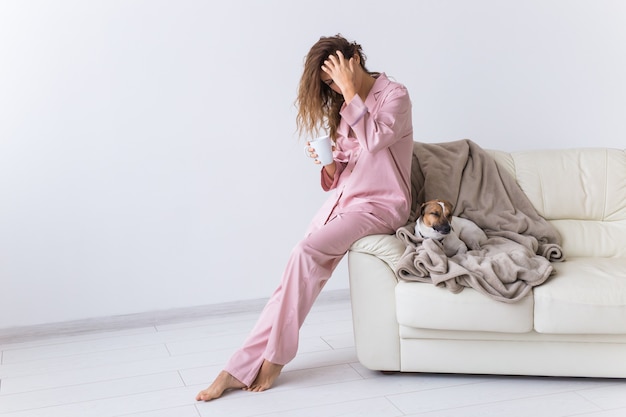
(520, 243)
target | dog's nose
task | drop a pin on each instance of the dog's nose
(443, 228)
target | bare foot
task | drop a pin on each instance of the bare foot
(222, 383)
(267, 375)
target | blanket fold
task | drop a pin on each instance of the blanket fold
(520, 243)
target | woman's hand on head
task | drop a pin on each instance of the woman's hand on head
(344, 74)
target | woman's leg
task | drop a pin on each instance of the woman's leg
(274, 338)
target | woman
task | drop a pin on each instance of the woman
(369, 118)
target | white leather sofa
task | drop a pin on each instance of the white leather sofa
(574, 324)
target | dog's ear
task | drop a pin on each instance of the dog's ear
(423, 208)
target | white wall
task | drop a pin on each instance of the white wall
(148, 158)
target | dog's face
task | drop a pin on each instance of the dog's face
(435, 218)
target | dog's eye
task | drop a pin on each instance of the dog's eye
(434, 213)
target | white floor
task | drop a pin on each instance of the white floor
(156, 371)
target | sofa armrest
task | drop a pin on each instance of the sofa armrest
(386, 247)
(372, 291)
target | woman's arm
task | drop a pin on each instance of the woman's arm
(383, 128)
(330, 170)
(330, 175)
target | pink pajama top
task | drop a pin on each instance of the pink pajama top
(374, 149)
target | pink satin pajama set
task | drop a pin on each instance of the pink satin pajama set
(371, 186)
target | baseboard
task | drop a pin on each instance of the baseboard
(153, 318)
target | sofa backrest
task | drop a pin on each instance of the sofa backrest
(581, 191)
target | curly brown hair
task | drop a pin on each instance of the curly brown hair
(318, 105)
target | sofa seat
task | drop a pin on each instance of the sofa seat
(585, 296)
(568, 303)
(427, 306)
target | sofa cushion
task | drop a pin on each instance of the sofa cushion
(585, 296)
(592, 238)
(427, 306)
(582, 191)
(583, 184)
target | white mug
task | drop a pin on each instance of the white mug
(323, 148)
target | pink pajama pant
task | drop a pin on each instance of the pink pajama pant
(312, 261)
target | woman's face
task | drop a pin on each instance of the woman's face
(357, 76)
(329, 82)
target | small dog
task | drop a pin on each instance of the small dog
(435, 219)
(436, 222)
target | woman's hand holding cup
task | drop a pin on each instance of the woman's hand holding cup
(321, 150)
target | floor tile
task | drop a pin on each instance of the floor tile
(109, 372)
(80, 346)
(186, 411)
(375, 407)
(488, 389)
(89, 392)
(116, 406)
(559, 405)
(84, 360)
(607, 413)
(613, 395)
(87, 335)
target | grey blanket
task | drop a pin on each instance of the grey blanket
(520, 243)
